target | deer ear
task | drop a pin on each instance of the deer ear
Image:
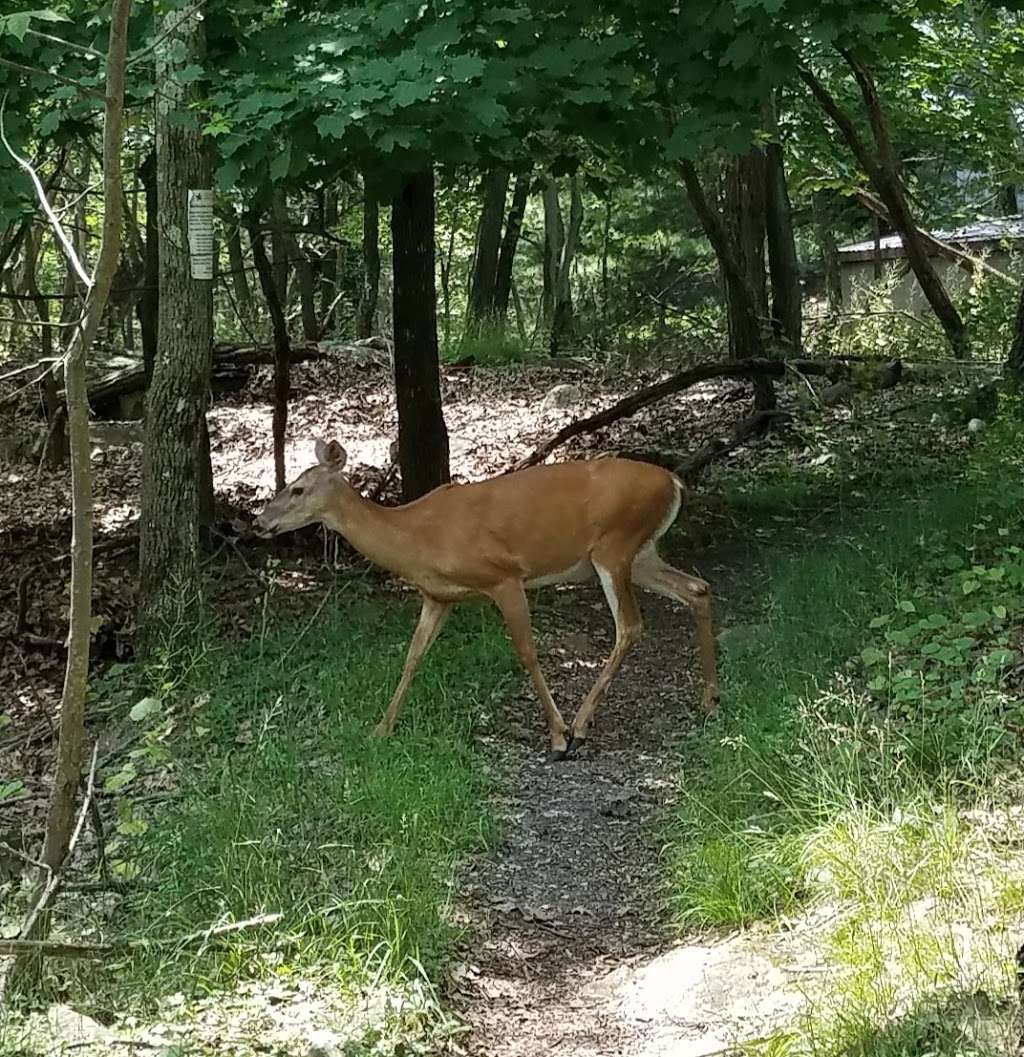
(331, 453)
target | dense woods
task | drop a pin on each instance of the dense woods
(775, 248)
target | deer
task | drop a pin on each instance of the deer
(563, 522)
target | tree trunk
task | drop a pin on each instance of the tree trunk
(329, 265)
(554, 240)
(236, 262)
(56, 437)
(1015, 358)
(510, 244)
(307, 288)
(483, 284)
(148, 308)
(172, 470)
(742, 303)
(745, 213)
(882, 170)
(422, 436)
(61, 811)
(829, 250)
(282, 345)
(366, 313)
(787, 306)
(563, 323)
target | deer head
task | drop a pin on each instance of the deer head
(307, 499)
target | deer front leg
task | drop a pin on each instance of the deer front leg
(432, 618)
(511, 600)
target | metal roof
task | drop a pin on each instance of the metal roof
(983, 231)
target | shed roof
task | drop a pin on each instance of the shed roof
(985, 231)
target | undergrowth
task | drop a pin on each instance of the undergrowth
(868, 738)
(276, 806)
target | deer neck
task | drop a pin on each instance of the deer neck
(375, 531)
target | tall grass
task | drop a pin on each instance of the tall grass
(284, 804)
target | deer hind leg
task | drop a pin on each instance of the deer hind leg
(511, 600)
(618, 590)
(652, 572)
(432, 618)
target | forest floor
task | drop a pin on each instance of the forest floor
(570, 940)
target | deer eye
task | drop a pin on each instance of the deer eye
(298, 491)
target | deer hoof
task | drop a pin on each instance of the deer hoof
(555, 755)
(382, 730)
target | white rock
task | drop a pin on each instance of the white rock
(69, 1026)
(323, 1043)
(564, 395)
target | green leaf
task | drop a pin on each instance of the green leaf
(906, 606)
(16, 25)
(969, 586)
(872, 655)
(49, 122)
(9, 789)
(879, 622)
(117, 781)
(145, 708)
(332, 126)
(282, 162)
(999, 612)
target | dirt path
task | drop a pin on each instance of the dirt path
(568, 905)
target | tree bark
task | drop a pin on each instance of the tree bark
(329, 264)
(563, 323)
(882, 170)
(56, 437)
(60, 814)
(173, 469)
(422, 436)
(148, 308)
(829, 250)
(236, 262)
(1015, 358)
(366, 312)
(783, 266)
(510, 244)
(282, 344)
(554, 240)
(483, 284)
(743, 305)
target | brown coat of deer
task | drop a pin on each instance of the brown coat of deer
(548, 524)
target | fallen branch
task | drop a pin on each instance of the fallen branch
(750, 368)
(57, 949)
(718, 447)
(943, 249)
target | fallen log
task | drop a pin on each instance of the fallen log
(676, 383)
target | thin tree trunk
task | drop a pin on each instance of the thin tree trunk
(784, 268)
(282, 345)
(876, 248)
(56, 436)
(307, 289)
(329, 266)
(148, 309)
(366, 313)
(61, 814)
(1015, 358)
(422, 436)
(484, 281)
(174, 465)
(236, 262)
(554, 240)
(882, 170)
(510, 244)
(606, 229)
(829, 250)
(279, 245)
(563, 323)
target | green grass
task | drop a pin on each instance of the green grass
(286, 805)
(865, 710)
(489, 345)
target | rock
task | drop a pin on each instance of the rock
(561, 396)
(975, 425)
(324, 1043)
(68, 1026)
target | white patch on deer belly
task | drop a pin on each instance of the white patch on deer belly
(575, 574)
